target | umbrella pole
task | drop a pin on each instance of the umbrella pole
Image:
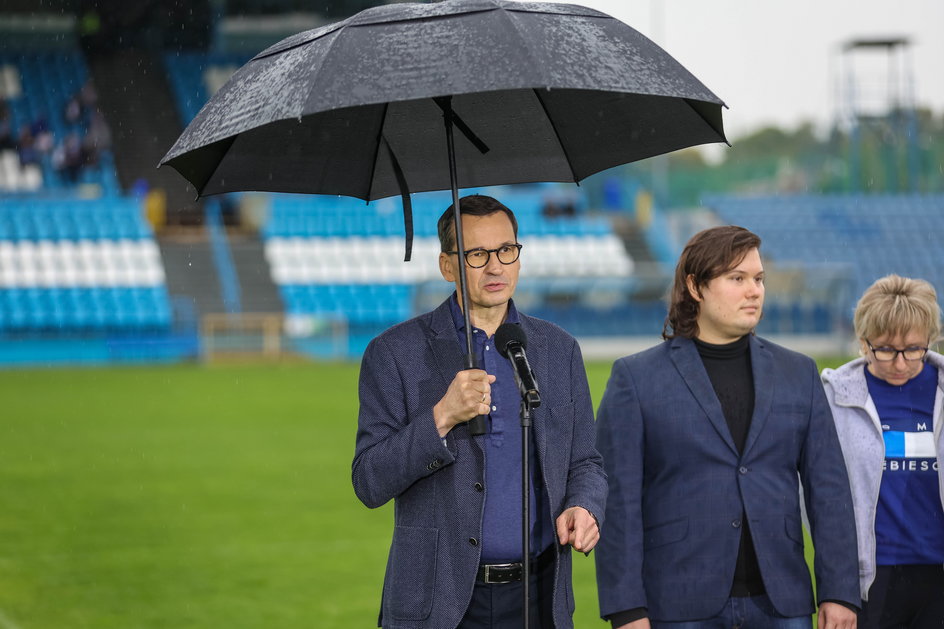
(477, 424)
(446, 103)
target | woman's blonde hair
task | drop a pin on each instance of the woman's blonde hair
(896, 305)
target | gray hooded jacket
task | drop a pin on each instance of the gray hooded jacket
(863, 448)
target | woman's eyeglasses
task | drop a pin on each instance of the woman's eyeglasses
(888, 354)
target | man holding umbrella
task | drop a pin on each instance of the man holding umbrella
(456, 557)
(364, 108)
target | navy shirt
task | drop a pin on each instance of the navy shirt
(501, 521)
(909, 520)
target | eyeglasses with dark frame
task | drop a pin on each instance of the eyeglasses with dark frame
(479, 257)
(888, 354)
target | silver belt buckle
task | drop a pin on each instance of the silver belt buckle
(488, 568)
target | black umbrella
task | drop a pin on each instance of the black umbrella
(366, 108)
(541, 92)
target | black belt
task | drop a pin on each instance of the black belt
(511, 572)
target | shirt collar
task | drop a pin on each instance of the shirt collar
(457, 317)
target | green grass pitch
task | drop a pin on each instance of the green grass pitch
(193, 497)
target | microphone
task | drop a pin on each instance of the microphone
(511, 341)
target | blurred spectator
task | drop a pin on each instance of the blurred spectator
(69, 158)
(88, 97)
(81, 105)
(26, 146)
(6, 136)
(81, 148)
(6, 127)
(72, 112)
(97, 138)
(42, 134)
(554, 208)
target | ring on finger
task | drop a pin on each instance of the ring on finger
(483, 397)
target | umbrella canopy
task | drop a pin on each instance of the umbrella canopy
(366, 107)
(546, 92)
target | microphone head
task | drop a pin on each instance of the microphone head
(508, 333)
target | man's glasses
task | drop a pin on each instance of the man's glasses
(477, 258)
(888, 354)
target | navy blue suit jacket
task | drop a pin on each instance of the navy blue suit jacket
(679, 488)
(399, 455)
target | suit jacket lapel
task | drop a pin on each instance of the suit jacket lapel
(762, 369)
(444, 343)
(690, 366)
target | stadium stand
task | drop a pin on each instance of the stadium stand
(334, 258)
(862, 237)
(79, 266)
(59, 139)
(81, 275)
(71, 266)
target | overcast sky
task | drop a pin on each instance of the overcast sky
(778, 62)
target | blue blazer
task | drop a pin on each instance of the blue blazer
(679, 488)
(436, 487)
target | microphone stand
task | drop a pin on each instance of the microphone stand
(529, 400)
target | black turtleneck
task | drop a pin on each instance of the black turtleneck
(729, 369)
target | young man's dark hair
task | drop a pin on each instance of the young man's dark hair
(707, 255)
(472, 205)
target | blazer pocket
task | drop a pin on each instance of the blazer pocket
(562, 415)
(794, 529)
(409, 588)
(667, 533)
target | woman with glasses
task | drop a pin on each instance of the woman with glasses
(889, 411)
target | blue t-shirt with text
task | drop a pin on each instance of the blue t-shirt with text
(909, 520)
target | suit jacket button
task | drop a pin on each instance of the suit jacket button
(742, 470)
(473, 541)
(736, 524)
(479, 487)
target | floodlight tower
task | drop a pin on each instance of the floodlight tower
(877, 101)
